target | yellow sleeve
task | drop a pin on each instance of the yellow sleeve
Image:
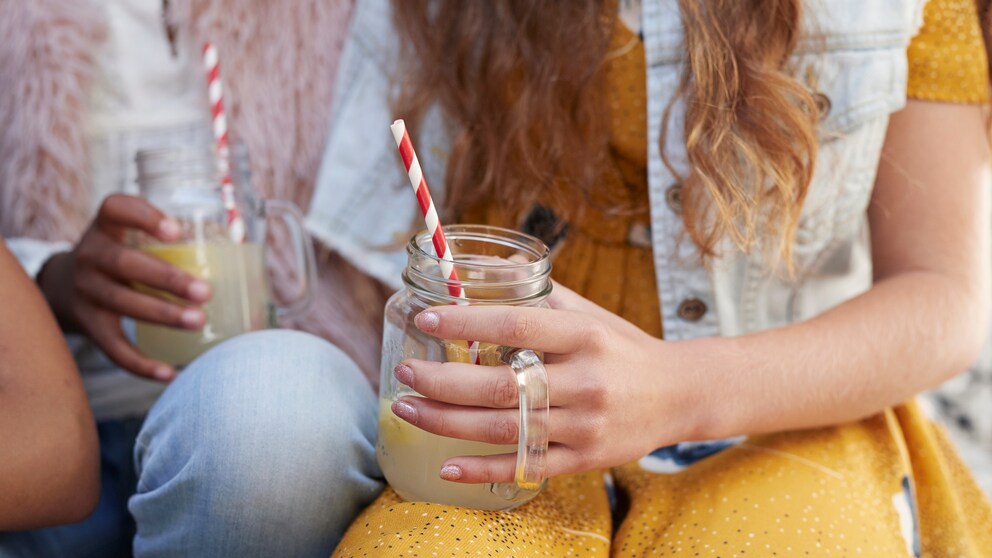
(947, 59)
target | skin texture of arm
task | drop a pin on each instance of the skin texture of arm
(925, 318)
(923, 321)
(49, 458)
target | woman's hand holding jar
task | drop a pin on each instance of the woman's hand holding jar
(613, 394)
(92, 287)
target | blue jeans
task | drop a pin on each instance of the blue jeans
(264, 446)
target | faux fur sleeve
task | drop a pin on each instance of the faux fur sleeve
(46, 66)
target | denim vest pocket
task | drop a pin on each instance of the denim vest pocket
(857, 89)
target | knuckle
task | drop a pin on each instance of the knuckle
(597, 334)
(516, 329)
(585, 460)
(593, 446)
(503, 391)
(167, 313)
(176, 280)
(434, 422)
(595, 392)
(88, 283)
(111, 298)
(488, 472)
(596, 436)
(114, 206)
(111, 258)
(435, 387)
(458, 323)
(502, 430)
(108, 205)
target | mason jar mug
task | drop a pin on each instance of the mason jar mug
(494, 266)
(185, 184)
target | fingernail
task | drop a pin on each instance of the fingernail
(168, 227)
(404, 374)
(427, 321)
(405, 411)
(191, 317)
(162, 372)
(198, 290)
(451, 472)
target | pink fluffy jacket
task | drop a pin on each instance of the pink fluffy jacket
(278, 85)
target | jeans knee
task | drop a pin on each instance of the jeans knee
(270, 426)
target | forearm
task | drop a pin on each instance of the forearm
(907, 334)
(49, 472)
(923, 320)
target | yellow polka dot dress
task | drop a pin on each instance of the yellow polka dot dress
(947, 61)
(887, 486)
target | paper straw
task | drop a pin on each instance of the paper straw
(419, 184)
(215, 91)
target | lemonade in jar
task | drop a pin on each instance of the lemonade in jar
(185, 184)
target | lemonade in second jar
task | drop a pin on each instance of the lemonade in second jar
(240, 301)
(410, 456)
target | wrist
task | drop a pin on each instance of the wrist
(700, 390)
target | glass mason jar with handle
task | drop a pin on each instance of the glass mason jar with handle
(185, 184)
(494, 266)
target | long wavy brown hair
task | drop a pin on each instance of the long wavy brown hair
(521, 83)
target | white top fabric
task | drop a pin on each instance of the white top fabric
(141, 85)
(141, 98)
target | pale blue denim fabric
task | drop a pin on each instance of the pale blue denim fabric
(264, 446)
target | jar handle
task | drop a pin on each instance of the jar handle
(305, 260)
(532, 445)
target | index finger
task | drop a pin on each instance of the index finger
(121, 211)
(542, 329)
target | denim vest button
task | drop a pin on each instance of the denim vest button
(823, 104)
(639, 235)
(692, 309)
(673, 197)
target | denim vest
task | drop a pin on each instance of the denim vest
(854, 60)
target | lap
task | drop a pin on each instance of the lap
(840, 489)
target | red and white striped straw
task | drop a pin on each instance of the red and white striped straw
(215, 91)
(419, 184)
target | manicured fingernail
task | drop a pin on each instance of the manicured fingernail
(168, 227)
(427, 321)
(191, 317)
(162, 372)
(404, 374)
(451, 472)
(198, 290)
(405, 411)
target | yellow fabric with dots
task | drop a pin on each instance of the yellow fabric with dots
(947, 59)
(848, 490)
(834, 491)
